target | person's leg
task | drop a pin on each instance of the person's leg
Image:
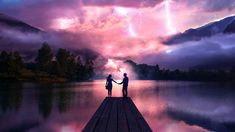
(123, 94)
(126, 92)
(109, 93)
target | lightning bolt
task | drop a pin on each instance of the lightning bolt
(123, 12)
(131, 30)
(170, 27)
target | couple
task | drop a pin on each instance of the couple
(109, 85)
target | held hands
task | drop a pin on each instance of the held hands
(118, 83)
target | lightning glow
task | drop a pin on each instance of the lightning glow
(169, 51)
(121, 11)
(170, 27)
(131, 30)
(111, 64)
(117, 68)
(64, 23)
(124, 12)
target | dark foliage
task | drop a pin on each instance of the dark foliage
(10, 64)
(65, 65)
(44, 58)
(145, 72)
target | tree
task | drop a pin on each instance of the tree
(71, 70)
(89, 69)
(157, 68)
(3, 61)
(157, 72)
(62, 57)
(55, 69)
(79, 61)
(79, 69)
(11, 63)
(44, 57)
(67, 63)
(18, 60)
(232, 72)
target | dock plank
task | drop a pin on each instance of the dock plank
(104, 117)
(132, 122)
(144, 127)
(112, 123)
(95, 118)
(117, 114)
(122, 121)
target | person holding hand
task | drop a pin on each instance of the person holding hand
(109, 84)
(125, 85)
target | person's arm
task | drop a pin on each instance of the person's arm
(121, 82)
(115, 81)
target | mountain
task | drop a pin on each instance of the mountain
(16, 35)
(230, 28)
(225, 25)
(14, 24)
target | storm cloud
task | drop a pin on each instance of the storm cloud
(119, 29)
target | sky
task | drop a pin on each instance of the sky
(133, 29)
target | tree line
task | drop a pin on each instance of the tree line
(64, 65)
(146, 72)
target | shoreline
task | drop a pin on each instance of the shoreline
(64, 80)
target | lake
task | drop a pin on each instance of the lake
(167, 106)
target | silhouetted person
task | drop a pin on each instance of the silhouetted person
(109, 85)
(125, 85)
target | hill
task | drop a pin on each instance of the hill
(225, 25)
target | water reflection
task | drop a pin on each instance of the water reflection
(10, 97)
(166, 105)
(45, 98)
(64, 100)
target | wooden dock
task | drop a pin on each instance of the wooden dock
(117, 114)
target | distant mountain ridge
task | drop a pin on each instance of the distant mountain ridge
(27, 46)
(230, 28)
(226, 25)
(6, 21)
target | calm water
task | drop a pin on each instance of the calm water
(167, 106)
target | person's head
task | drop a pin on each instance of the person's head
(109, 76)
(125, 75)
